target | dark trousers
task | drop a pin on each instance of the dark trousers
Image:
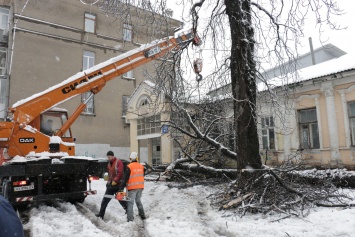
(110, 191)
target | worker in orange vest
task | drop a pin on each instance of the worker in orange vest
(134, 181)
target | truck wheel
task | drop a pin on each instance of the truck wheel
(76, 200)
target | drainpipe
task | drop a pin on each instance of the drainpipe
(12, 49)
(312, 51)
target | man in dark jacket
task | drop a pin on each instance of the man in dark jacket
(115, 175)
(10, 224)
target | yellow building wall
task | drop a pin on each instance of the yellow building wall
(312, 98)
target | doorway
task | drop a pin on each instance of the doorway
(156, 152)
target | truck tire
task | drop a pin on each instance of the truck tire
(76, 200)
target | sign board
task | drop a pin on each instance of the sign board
(164, 129)
(151, 52)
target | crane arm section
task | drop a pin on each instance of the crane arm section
(95, 78)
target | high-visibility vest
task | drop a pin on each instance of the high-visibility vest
(136, 178)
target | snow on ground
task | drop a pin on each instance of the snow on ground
(176, 212)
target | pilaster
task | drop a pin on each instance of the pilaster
(327, 89)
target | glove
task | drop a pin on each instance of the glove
(114, 183)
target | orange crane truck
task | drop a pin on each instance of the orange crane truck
(38, 164)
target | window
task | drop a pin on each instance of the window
(125, 99)
(351, 107)
(52, 122)
(308, 125)
(3, 97)
(90, 22)
(4, 20)
(127, 32)
(128, 75)
(88, 62)
(267, 132)
(148, 125)
(2, 61)
(88, 59)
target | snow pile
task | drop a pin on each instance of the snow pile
(182, 212)
(47, 154)
(30, 129)
(54, 140)
(329, 173)
(58, 140)
(78, 158)
(21, 159)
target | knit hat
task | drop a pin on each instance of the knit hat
(110, 153)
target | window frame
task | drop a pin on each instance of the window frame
(310, 132)
(147, 125)
(125, 99)
(87, 19)
(90, 106)
(6, 29)
(351, 117)
(127, 28)
(269, 129)
(3, 69)
(128, 75)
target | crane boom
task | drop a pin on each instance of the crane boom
(25, 178)
(26, 113)
(93, 79)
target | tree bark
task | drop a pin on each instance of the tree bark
(242, 66)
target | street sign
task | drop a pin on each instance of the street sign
(164, 129)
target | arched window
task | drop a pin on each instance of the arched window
(143, 100)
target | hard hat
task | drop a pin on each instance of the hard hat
(133, 155)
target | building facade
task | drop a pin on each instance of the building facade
(43, 42)
(148, 116)
(315, 122)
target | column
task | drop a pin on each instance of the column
(319, 121)
(287, 130)
(346, 117)
(150, 151)
(166, 148)
(134, 146)
(327, 89)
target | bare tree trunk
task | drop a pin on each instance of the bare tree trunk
(242, 66)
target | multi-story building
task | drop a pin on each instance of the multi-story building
(43, 42)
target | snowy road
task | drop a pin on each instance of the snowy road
(174, 213)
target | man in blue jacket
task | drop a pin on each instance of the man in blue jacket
(10, 224)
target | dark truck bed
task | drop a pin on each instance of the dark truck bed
(46, 181)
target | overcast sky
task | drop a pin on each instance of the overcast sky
(343, 39)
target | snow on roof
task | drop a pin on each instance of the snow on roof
(147, 82)
(92, 69)
(341, 64)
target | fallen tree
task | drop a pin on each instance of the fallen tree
(288, 191)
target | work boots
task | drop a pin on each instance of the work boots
(99, 215)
